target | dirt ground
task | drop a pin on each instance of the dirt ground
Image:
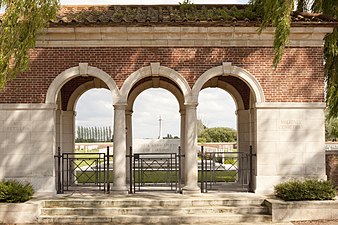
(317, 222)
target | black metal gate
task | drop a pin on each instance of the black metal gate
(76, 171)
(155, 171)
(219, 168)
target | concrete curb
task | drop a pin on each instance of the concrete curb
(283, 211)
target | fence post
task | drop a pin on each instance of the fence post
(179, 169)
(202, 169)
(130, 170)
(59, 191)
(251, 170)
(108, 173)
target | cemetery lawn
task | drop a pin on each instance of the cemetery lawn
(155, 176)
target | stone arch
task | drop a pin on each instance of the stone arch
(82, 70)
(225, 70)
(231, 91)
(149, 84)
(96, 83)
(155, 69)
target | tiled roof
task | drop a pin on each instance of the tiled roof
(173, 15)
(179, 15)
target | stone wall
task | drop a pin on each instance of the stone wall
(332, 166)
(27, 137)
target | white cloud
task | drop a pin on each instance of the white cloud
(148, 106)
(94, 108)
(216, 108)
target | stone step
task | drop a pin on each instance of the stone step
(224, 218)
(150, 203)
(81, 211)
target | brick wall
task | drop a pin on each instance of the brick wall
(299, 77)
(332, 166)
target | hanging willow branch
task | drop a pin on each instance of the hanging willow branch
(330, 7)
(22, 22)
(278, 14)
(331, 72)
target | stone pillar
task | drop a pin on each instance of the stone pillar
(182, 141)
(58, 136)
(243, 128)
(243, 143)
(119, 159)
(129, 138)
(191, 164)
(67, 130)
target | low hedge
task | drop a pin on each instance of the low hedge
(14, 191)
(308, 189)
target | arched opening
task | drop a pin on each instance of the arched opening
(94, 119)
(217, 108)
(217, 129)
(160, 150)
(246, 92)
(155, 115)
(67, 100)
(65, 92)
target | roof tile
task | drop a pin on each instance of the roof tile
(173, 15)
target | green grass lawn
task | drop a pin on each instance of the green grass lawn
(156, 176)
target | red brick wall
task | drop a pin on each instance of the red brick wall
(299, 77)
(332, 166)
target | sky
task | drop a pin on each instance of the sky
(216, 109)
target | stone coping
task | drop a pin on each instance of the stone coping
(286, 211)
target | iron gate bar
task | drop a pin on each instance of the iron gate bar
(70, 170)
(233, 171)
(251, 170)
(143, 163)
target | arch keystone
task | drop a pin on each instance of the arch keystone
(155, 68)
(83, 69)
(227, 68)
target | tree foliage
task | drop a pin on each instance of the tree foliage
(22, 21)
(93, 134)
(331, 128)
(218, 134)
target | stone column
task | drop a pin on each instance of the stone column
(119, 160)
(191, 164)
(58, 136)
(182, 141)
(67, 129)
(243, 128)
(129, 138)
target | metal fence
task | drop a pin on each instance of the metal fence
(83, 170)
(225, 167)
(155, 171)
